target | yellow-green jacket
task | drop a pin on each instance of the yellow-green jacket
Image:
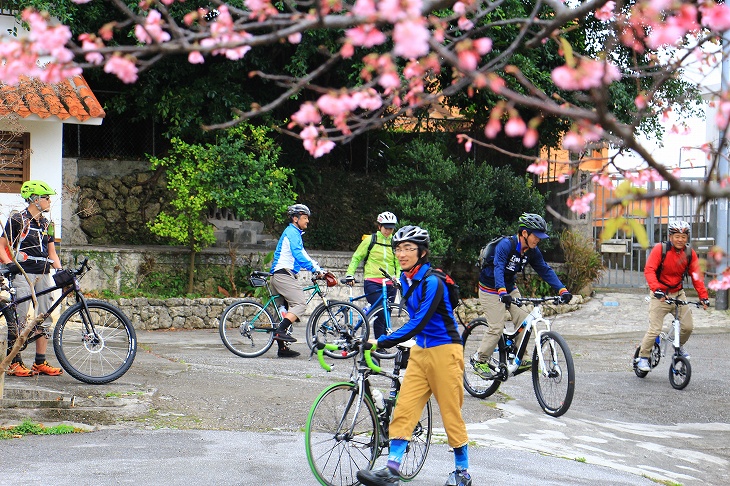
(381, 256)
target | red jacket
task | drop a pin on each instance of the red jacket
(675, 263)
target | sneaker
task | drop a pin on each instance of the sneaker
(643, 364)
(287, 353)
(282, 336)
(483, 370)
(683, 353)
(19, 369)
(458, 478)
(382, 476)
(525, 365)
(46, 369)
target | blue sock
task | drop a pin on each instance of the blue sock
(397, 449)
(461, 458)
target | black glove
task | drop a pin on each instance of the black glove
(659, 294)
(349, 280)
(12, 268)
(566, 297)
(706, 302)
(506, 299)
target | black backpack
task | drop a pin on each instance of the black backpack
(486, 254)
(451, 286)
(665, 248)
(373, 242)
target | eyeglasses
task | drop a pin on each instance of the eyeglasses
(404, 250)
(47, 198)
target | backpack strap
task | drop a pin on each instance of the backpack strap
(665, 248)
(373, 239)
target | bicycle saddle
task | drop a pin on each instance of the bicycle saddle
(256, 273)
(407, 344)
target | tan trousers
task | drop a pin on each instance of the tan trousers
(658, 310)
(494, 313)
(288, 287)
(437, 371)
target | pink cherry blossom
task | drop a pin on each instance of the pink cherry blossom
(515, 126)
(365, 36)
(411, 39)
(530, 138)
(483, 45)
(196, 57)
(716, 16)
(365, 8)
(540, 167)
(295, 38)
(465, 24)
(347, 50)
(123, 68)
(493, 128)
(468, 60)
(574, 142)
(396, 10)
(309, 133)
(307, 114)
(602, 180)
(152, 30)
(582, 204)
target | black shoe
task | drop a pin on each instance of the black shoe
(282, 336)
(287, 353)
(382, 476)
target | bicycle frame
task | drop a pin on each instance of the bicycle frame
(314, 288)
(12, 306)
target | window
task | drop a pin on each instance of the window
(14, 160)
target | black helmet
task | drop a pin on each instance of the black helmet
(414, 234)
(298, 209)
(535, 224)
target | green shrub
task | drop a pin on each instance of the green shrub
(582, 262)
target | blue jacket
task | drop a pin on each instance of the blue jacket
(432, 320)
(507, 264)
(290, 253)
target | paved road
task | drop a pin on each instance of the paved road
(190, 412)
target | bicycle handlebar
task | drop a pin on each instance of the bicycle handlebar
(366, 348)
(678, 302)
(83, 265)
(537, 300)
(390, 277)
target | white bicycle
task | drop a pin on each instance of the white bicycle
(680, 370)
(553, 373)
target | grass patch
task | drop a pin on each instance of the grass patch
(28, 427)
(659, 481)
(122, 394)
(580, 459)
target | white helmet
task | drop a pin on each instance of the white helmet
(679, 227)
(298, 210)
(387, 219)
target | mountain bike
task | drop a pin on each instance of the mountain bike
(93, 340)
(680, 370)
(347, 426)
(394, 314)
(553, 373)
(247, 327)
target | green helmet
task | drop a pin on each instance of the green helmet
(534, 223)
(35, 188)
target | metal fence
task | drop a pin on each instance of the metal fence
(624, 258)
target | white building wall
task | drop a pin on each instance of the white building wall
(45, 164)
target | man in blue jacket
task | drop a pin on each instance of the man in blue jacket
(497, 286)
(289, 258)
(436, 364)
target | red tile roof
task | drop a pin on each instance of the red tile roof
(70, 98)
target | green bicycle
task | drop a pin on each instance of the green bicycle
(247, 327)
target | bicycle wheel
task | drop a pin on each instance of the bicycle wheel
(341, 435)
(680, 371)
(338, 323)
(554, 385)
(398, 317)
(472, 337)
(417, 450)
(246, 329)
(95, 346)
(311, 334)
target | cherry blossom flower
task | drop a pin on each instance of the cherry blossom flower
(366, 8)
(152, 30)
(494, 126)
(515, 126)
(530, 138)
(295, 38)
(411, 39)
(196, 57)
(602, 180)
(716, 16)
(123, 68)
(365, 36)
(581, 204)
(540, 167)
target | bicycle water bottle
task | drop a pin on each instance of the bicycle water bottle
(366, 309)
(282, 311)
(378, 399)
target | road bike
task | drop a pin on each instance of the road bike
(394, 314)
(93, 340)
(680, 370)
(247, 327)
(553, 373)
(347, 426)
